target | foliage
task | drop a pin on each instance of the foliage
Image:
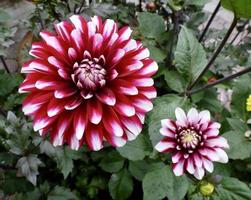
(32, 168)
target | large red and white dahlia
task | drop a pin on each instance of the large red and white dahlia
(89, 82)
(194, 142)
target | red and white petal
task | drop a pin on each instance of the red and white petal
(189, 165)
(94, 137)
(64, 29)
(112, 123)
(64, 92)
(42, 120)
(79, 22)
(199, 173)
(106, 96)
(176, 157)
(79, 122)
(133, 124)
(142, 82)
(34, 101)
(211, 132)
(193, 116)
(73, 103)
(197, 159)
(209, 153)
(124, 106)
(109, 28)
(181, 117)
(94, 111)
(223, 158)
(217, 142)
(142, 103)
(55, 107)
(204, 116)
(167, 132)
(164, 146)
(149, 92)
(149, 69)
(178, 168)
(168, 123)
(214, 125)
(208, 165)
(124, 33)
(126, 87)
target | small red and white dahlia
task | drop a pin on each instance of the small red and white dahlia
(89, 82)
(193, 141)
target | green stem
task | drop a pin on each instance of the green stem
(227, 78)
(215, 55)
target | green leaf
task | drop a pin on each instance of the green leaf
(47, 148)
(162, 183)
(190, 57)
(64, 158)
(175, 81)
(237, 125)
(136, 149)
(13, 81)
(61, 193)
(113, 162)
(28, 166)
(120, 185)
(156, 53)
(233, 189)
(240, 146)
(241, 8)
(241, 91)
(164, 108)
(139, 168)
(151, 25)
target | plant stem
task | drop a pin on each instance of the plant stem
(4, 64)
(140, 5)
(227, 78)
(3, 112)
(175, 19)
(210, 21)
(241, 29)
(216, 53)
(40, 17)
(81, 6)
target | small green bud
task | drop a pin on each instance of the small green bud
(206, 188)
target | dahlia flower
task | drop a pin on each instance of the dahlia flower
(193, 141)
(89, 82)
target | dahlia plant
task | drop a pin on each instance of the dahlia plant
(194, 142)
(89, 82)
(125, 101)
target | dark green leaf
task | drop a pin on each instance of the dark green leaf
(190, 56)
(136, 149)
(28, 166)
(233, 189)
(237, 125)
(241, 8)
(120, 185)
(139, 168)
(151, 25)
(175, 81)
(162, 183)
(113, 162)
(60, 193)
(240, 146)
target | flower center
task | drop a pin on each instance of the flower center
(189, 138)
(90, 74)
